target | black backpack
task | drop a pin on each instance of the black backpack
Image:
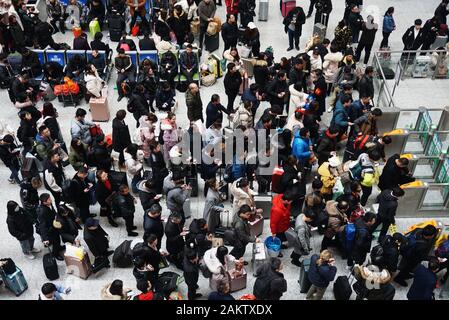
(123, 255)
(321, 221)
(377, 255)
(262, 287)
(166, 283)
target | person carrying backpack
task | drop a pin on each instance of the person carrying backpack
(362, 239)
(270, 283)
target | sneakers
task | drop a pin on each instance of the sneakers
(30, 256)
(35, 250)
(289, 49)
(132, 234)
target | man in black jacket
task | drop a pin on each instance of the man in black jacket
(395, 173)
(355, 21)
(417, 249)
(327, 145)
(191, 269)
(214, 111)
(413, 38)
(430, 32)
(101, 154)
(97, 239)
(120, 135)
(230, 32)
(123, 206)
(147, 194)
(30, 61)
(147, 43)
(138, 104)
(198, 237)
(30, 197)
(277, 90)
(242, 233)
(50, 236)
(21, 228)
(323, 7)
(363, 238)
(152, 223)
(175, 232)
(293, 26)
(297, 75)
(442, 11)
(125, 71)
(388, 204)
(366, 85)
(80, 188)
(232, 82)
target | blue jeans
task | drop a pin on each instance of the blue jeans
(355, 36)
(14, 173)
(134, 181)
(27, 245)
(293, 35)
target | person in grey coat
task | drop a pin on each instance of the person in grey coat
(242, 233)
(80, 127)
(299, 238)
(206, 11)
(178, 195)
(213, 205)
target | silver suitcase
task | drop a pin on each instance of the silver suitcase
(259, 256)
(264, 202)
(263, 10)
(320, 29)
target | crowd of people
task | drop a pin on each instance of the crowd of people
(342, 160)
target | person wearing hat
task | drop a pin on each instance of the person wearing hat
(355, 21)
(413, 38)
(348, 59)
(152, 223)
(293, 26)
(251, 38)
(9, 154)
(97, 239)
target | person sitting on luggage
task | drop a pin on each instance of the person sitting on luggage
(242, 233)
(270, 283)
(94, 83)
(96, 12)
(189, 63)
(123, 206)
(424, 281)
(67, 224)
(218, 261)
(125, 71)
(373, 283)
(321, 272)
(80, 42)
(175, 233)
(9, 154)
(75, 68)
(223, 292)
(49, 236)
(21, 227)
(115, 291)
(97, 239)
(51, 291)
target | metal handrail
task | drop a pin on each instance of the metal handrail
(410, 51)
(384, 81)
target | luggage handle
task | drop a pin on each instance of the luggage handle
(323, 18)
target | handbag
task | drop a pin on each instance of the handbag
(208, 80)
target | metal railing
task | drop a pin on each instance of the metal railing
(384, 96)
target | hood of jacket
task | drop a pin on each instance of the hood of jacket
(374, 275)
(324, 171)
(260, 63)
(334, 56)
(210, 259)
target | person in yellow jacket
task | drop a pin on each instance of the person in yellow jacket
(329, 173)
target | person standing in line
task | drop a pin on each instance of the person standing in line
(232, 82)
(120, 135)
(230, 32)
(369, 29)
(388, 27)
(321, 272)
(206, 12)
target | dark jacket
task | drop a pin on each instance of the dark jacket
(232, 82)
(219, 296)
(214, 113)
(230, 32)
(45, 219)
(7, 156)
(320, 276)
(199, 237)
(242, 231)
(300, 19)
(392, 175)
(355, 21)
(96, 241)
(416, 251)
(368, 36)
(123, 206)
(99, 46)
(120, 135)
(363, 238)
(69, 227)
(187, 61)
(441, 12)
(147, 44)
(28, 195)
(325, 146)
(274, 88)
(424, 283)
(102, 193)
(19, 225)
(297, 77)
(409, 40)
(191, 272)
(146, 195)
(82, 199)
(387, 205)
(391, 254)
(366, 87)
(26, 132)
(102, 156)
(194, 106)
(175, 242)
(32, 61)
(270, 286)
(140, 105)
(153, 226)
(287, 183)
(180, 26)
(80, 43)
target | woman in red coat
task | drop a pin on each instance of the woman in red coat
(280, 217)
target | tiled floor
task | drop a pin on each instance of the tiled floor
(271, 35)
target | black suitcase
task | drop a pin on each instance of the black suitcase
(304, 282)
(29, 168)
(50, 266)
(116, 22)
(212, 42)
(115, 34)
(342, 288)
(100, 263)
(117, 178)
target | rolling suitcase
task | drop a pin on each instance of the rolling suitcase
(304, 282)
(100, 263)
(226, 217)
(14, 281)
(50, 266)
(287, 6)
(212, 42)
(259, 256)
(264, 202)
(237, 282)
(256, 226)
(115, 34)
(263, 10)
(342, 288)
(80, 268)
(319, 29)
(99, 108)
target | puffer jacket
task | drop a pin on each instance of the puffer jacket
(133, 166)
(94, 84)
(343, 37)
(260, 70)
(194, 106)
(327, 178)
(242, 230)
(241, 197)
(243, 116)
(216, 267)
(374, 281)
(146, 196)
(337, 220)
(301, 148)
(304, 233)
(330, 66)
(280, 215)
(176, 197)
(320, 276)
(297, 99)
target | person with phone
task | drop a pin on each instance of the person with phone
(322, 271)
(80, 188)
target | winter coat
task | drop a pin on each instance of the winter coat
(300, 20)
(378, 281)
(387, 205)
(19, 225)
(293, 124)
(327, 177)
(232, 82)
(77, 187)
(391, 254)
(274, 88)
(272, 280)
(94, 84)
(388, 24)
(325, 146)
(392, 175)
(186, 59)
(175, 242)
(78, 160)
(243, 116)
(260, 70)
(216, 267)
(424, 283)
(363, 238)
(198, 236)
(366, 87)
(146, 196)
(355, 21)
(191, 272)
(43, 146)
(304, 232)
(81, 130)
(337, 220)
(53, 176)
(102, 193)
(153, 226)
(120, 135)
(290, 180)
(180, 25)
(340, 117)
(102, 156)
(123, 206)
(368, 36)
(409, 40)
(241, 197)
(280, 215)
(133, 166)
(229, 32)
(297, 99)
(147, 134)
(343, 38)
(214, 113)
(194, 106)
(211, 204)
(301, 148)
(45, 217)
(205, 12)
(242, 231)
(67, 227)
(320, 276)
(330, 66)
(176, 197)
(316, 63)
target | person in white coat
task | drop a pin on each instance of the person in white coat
(94, 84)
(315, 59)
(218, 261)
(330, 65)
(134, 164)
(298, 98)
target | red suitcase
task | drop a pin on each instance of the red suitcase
(276, 178)
(287, 7)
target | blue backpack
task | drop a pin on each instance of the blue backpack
(443, 250)
(349, 235)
